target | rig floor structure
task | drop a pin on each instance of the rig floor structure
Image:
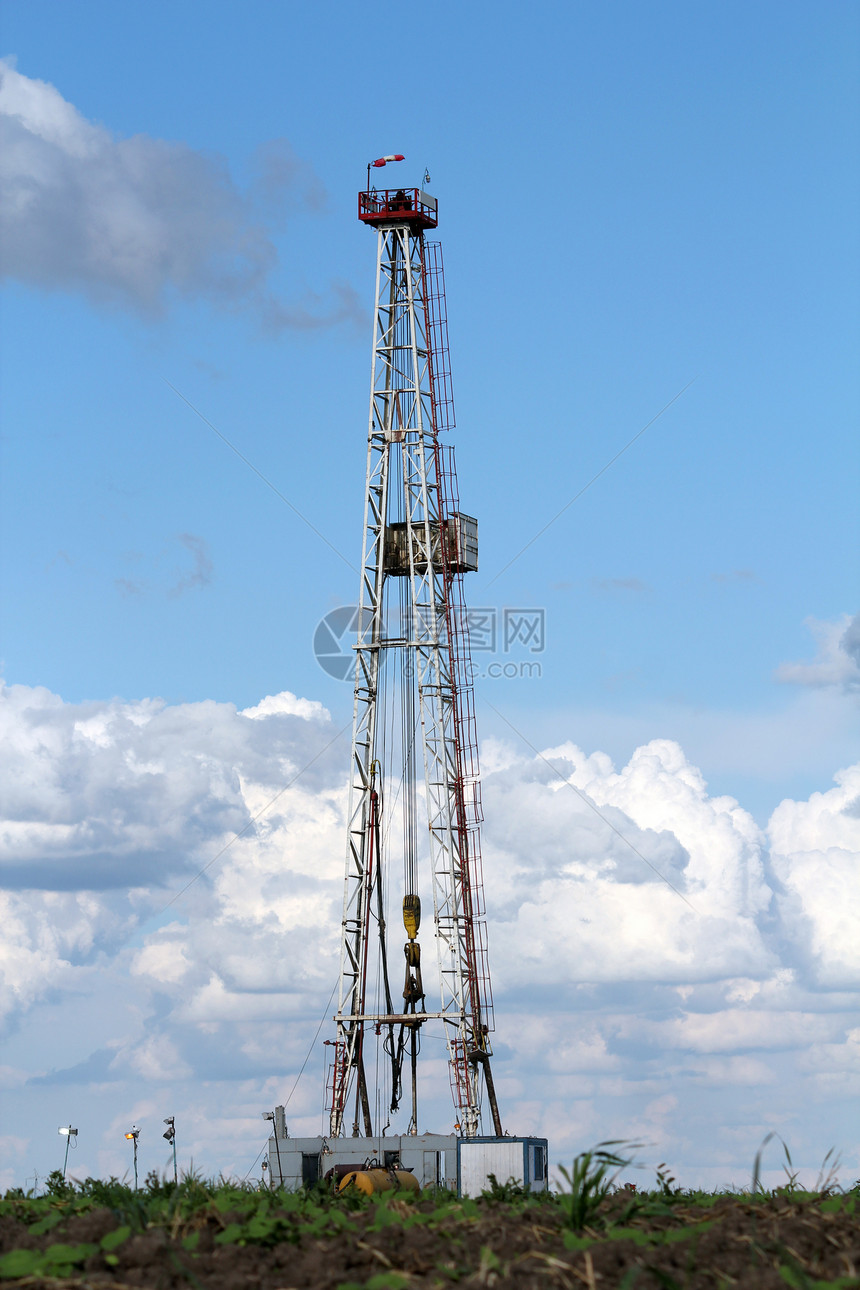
(460, 1165)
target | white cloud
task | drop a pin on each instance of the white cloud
(622, 1011)
(747, 1029)
(110, 794)
(156, 1059)
(163, 961)
(107, 803)
(12, 1148)
(286, 704)
(136, 221)
(44, 936)
(637, 873)
(815, 847)
(837, 661)
(742, 1071)
(568, 1046)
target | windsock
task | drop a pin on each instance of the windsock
(381, 161)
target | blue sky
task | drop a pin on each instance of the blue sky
(634, 199)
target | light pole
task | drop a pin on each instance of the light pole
(170, 1135)
(270, 1115)
(68, 1133)
(132, 1136)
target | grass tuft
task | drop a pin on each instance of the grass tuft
(591, 1179)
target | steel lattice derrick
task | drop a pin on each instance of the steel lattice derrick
(405, 486)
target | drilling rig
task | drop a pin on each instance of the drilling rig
(414, 813)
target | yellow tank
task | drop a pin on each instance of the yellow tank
(371, 1181)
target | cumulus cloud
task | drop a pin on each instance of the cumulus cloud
(815, 847)
(136, 221)
(637, 873)
(837, 661)
(108, 806)
(43, 938)
(621, 1008)
(116, 795)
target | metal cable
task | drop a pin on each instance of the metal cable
(304, 1064)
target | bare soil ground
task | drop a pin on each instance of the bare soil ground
(724, 1241)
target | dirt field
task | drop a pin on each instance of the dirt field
(239, 1240)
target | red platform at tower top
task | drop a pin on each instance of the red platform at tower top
(398, 205)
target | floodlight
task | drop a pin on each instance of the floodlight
(170, 1136)
(132, 1137)
(66, 1131)
(268, 1115)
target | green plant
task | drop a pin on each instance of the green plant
(56, 1185)
(825, 1184)
(155, 1185)
(506, 1191)
(590, 1180)
(789, 1187)
(665, 1181)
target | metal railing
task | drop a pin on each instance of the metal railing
(397, 203)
